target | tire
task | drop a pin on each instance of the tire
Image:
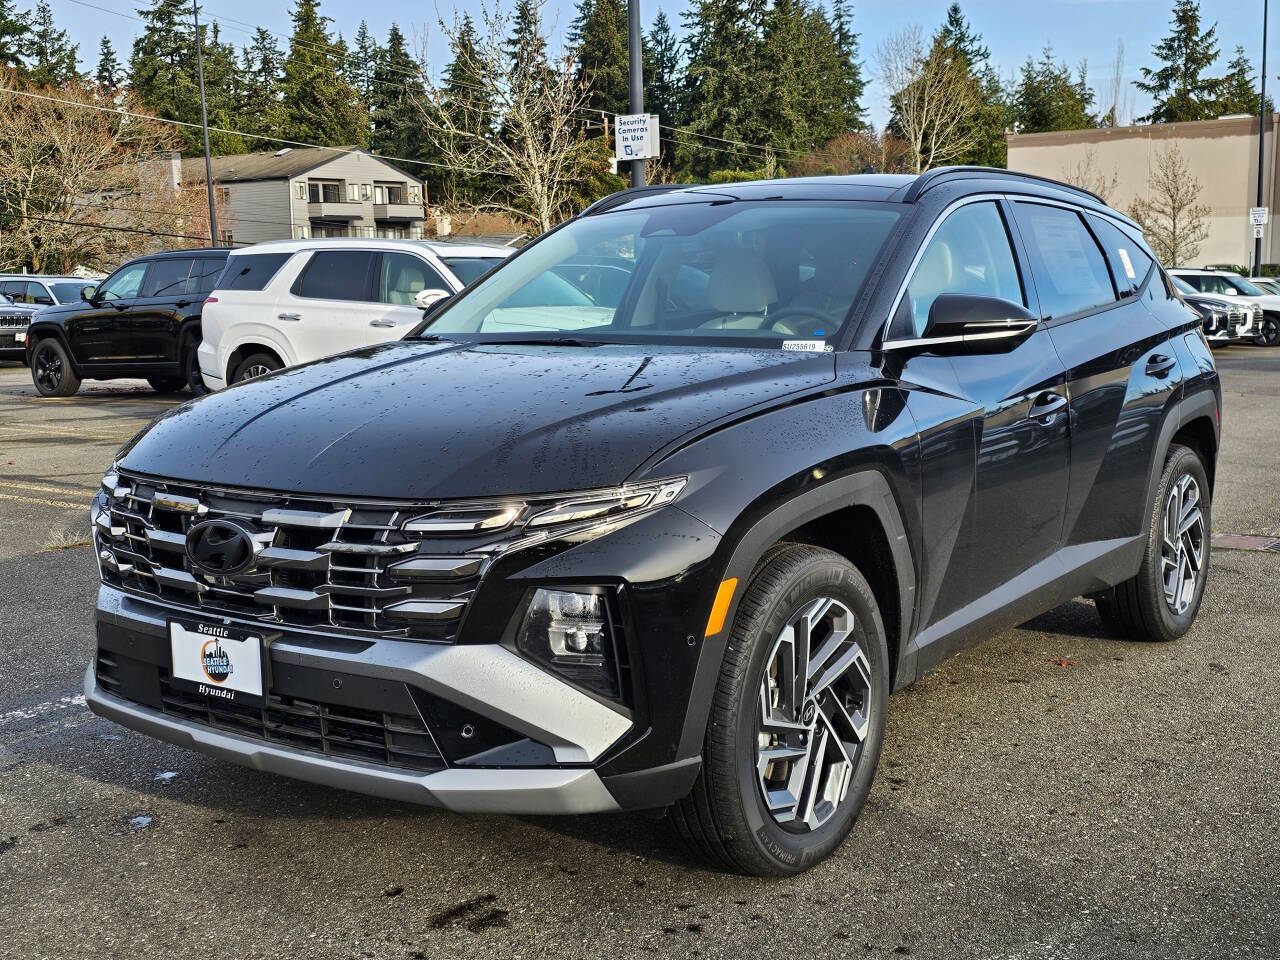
(1269, 332)
(725, 818)
(191, 372)
(1144, 607)
(51, 370)
(167, 384)
(255, 365)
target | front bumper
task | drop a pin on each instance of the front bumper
(574, 728)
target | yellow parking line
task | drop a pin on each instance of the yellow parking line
(60, 504)
(69, 491)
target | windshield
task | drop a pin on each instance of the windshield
(4, 299)
(471, 269)
(764, 271)
(1245, 287)
(66, 292)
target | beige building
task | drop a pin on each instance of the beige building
(311, 192)
(1221, 154)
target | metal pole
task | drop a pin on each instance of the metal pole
(1262, 135)
(204, 125)
(635, 72)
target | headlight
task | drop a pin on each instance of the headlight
(572, 632)
(538, 514)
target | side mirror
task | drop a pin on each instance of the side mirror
(86, 293)
(963, 323)
(425, 299)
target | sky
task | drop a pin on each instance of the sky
(1078, 30)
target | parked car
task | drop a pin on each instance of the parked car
(1222, 283)
(40, 290)
(1224, 320)
(14, 318)
(289, 302)
(1266, 285)
(142, 321)
(679, 558)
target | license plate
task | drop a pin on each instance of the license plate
(20, 337)
(220, 662)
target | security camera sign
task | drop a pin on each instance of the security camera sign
(637, 136)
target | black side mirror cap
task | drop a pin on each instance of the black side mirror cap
(965, 323)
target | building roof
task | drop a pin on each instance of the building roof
(1225, 126)
(272, 165)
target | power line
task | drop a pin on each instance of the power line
(103, 226)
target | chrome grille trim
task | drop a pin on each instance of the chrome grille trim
(324, 564)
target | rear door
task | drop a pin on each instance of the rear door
(330, 305)
(97, 330)
(152, 325)
(1122, 371)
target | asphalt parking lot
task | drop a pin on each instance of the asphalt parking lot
(1052, 792)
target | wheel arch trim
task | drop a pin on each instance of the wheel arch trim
(867, 488)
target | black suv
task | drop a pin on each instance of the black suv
(142, 321)
(672, 551)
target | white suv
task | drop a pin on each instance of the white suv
(1223, 283)
(288, 302)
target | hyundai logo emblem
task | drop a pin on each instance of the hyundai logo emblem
(220, 547)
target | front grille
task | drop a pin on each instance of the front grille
(322, 564)
(15, 321)
(351, 733)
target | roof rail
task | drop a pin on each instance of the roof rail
(622, 196)
(939, 175)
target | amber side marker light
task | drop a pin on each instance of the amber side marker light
(720, 609)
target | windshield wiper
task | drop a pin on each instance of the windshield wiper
(548, 341)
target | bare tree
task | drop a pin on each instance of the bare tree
(518, 129)
(1118, 98)
(82, 186)
(1171, 217)
(932, 98)
(861, 151)
(1087, 174)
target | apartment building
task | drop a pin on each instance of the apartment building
(297, 193)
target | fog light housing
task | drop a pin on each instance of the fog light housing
(572, 632)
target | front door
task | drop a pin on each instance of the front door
(400, 278)
(1009, 409)
(1123, 374)
(97, 331)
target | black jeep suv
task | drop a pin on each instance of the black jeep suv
(673, 551)
(142, 321)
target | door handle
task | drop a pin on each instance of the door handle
(1047, 405)
(288, 316)
(1160, 365)
(382, 323)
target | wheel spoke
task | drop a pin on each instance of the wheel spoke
(852, 655)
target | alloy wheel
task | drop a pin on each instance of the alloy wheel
(1269, 332)
(256, 370)
(1182, 544)
(815, 705)
(48, 370)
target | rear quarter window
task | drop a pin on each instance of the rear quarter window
(251, 271)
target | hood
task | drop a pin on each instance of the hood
(17, 309)
(417, 420)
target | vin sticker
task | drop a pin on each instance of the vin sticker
(808, 346)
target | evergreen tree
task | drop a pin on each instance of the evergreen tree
(723, 84)
(1239, 95)
(364, 60)
(987, 124)
(396, 93)
(15, 34)
(1181, 88)
(1047, 97)
(662, 71)
(851, 83)
(261, 65)
(319, 105)
(465, 98)
(52, 59)
(109, 73)
(600, 34)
